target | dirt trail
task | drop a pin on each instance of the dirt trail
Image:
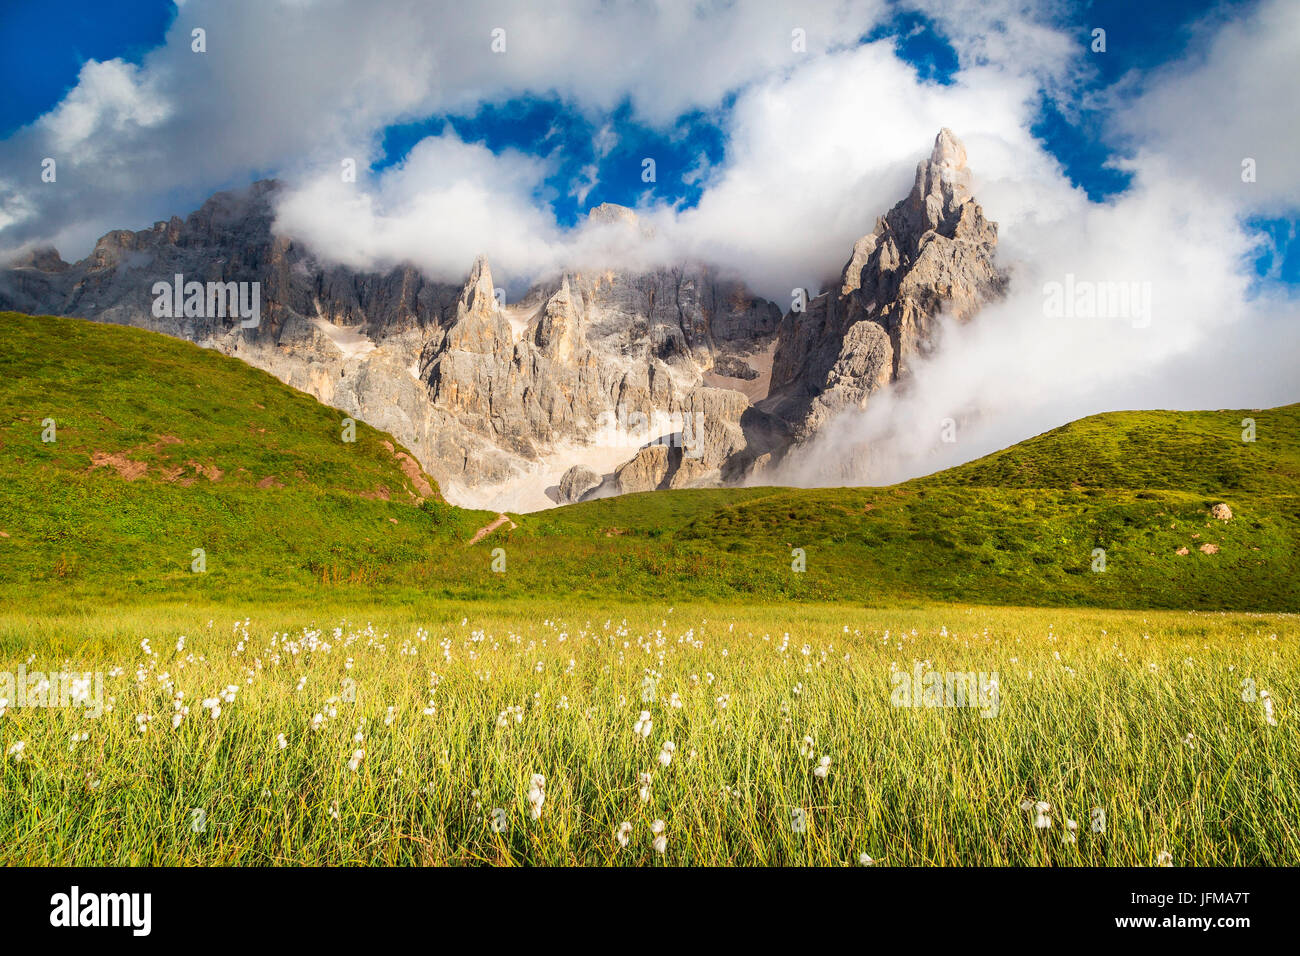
(487, 529)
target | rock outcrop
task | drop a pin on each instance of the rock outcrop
(575, 483)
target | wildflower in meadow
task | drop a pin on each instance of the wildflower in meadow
(642, 726)
(334, 810)
(1041, 819)
(80, 690)
(1040, 810)
(1164, 858)
(280, 742)
(213, 704)
(16, 751)
(666, 753)
(357, 756)
(644, 792)
(142, 722)
(1070, 828)
(823, 768)
(806, 749)
(660, 843)
(865, 860)
(317, 722)
(623, 833)
(1266, 700)
(536, 795)
(389, 716)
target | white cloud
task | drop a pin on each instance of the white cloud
(1234, 100)
(110, 99)
(287, 86)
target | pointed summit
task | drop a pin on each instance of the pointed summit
(942, 183)
(948, 150)
(479, 295)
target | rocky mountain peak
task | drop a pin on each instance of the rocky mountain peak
(479, 295)
(948, 150)
(609, 213)
(932, 254)
(42, 259)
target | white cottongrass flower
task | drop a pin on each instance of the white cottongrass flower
(624, 833)
(806, 749)
(142, 722)
(388, 717)
(4, 705)
(674, 701)
(536, 795)
(865, 860)
(1041, 819)
(181, 713)
(666, 753)
(357, 756)
(823, 768)
(643, 725)
(1070, 828)
(1164, 858)
(80, 690)
(660, 843)
(644, 780)
(1040, 809)
(1266, 700)
(213, 704)
(317, 722)
(334, 810)
(280, 742)
(16, 751)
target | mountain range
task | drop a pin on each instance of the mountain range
(593, 383)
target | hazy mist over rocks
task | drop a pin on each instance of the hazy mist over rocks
(822, 123)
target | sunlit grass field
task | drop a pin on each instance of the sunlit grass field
(434, 722)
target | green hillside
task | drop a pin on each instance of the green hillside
(163, 447)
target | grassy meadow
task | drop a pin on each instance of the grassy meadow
(303, 658)
(431, 726)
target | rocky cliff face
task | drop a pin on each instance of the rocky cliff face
(592, 383)
(929, 256)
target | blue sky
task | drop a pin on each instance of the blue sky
(40, 56)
